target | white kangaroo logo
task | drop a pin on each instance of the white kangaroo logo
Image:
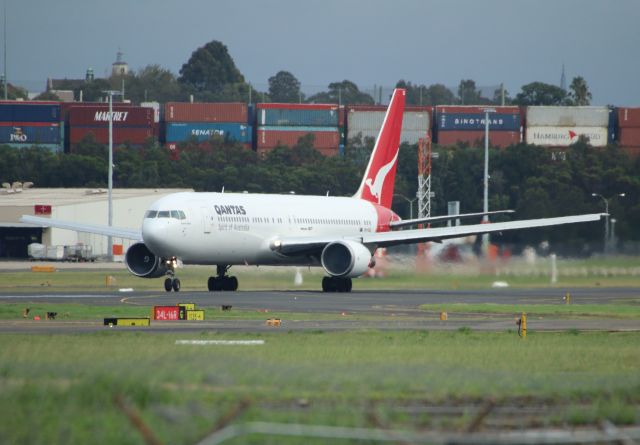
(375, 187)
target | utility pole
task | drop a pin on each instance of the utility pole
(485, 208)
(110, 178)
(5, 52)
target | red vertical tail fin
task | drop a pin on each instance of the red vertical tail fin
(379, 178)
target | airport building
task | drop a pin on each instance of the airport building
(86, 206)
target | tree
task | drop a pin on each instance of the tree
(468, 93)
(47, 95)
(344, 93)
(436, 94)
(284, 87)
(579, 94)
(209, 69)
(540, 93)
(151, 83)
(14, 92)
(440, 95)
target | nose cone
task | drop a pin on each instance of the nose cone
(155, 236)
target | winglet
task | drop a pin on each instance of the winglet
(378, 181)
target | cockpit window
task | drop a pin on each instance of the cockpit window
(151, 214)
(182, 215)
(175, 214)
(164, 214)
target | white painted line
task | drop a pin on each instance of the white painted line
(220, 342)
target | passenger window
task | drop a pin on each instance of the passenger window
(163, 214)
(151, 214)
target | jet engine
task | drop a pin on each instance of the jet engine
(141, 262)
(348, 259)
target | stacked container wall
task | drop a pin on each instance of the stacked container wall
(206, 112)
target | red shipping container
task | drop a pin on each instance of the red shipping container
(629, 136)
(277, 106)
(272, 138)
(628, 117)
(206, 112)
(133, 135)
(98, 116)
(475, 109)
(262, 152)
(66, 106)
(166, 313)
(499, 139)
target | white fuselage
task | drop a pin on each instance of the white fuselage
(238, 228)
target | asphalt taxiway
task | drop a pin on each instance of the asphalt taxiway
(392, 310)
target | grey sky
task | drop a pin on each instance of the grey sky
(366, 41)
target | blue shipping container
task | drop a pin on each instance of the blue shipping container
(178, 132)
(27, 135)
(475, 122)
(25, 112)
(294, 118)
(613, 125)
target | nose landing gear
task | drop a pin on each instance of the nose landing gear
(222, 282)
(172, 282)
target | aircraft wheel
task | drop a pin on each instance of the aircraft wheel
(211, 284)
(349, 285)
(167, 284)
(176, 285)
(233, 284)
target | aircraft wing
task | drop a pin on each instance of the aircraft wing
(432, 219)
(314, 245)
(88, 228)
(384, 239)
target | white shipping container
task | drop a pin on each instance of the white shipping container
(55, 252)
(567, 116)
(156, 109)
(565, 136)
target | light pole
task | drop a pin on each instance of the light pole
(606, 217)
(111, 93)
(485, 218)
(410, 201)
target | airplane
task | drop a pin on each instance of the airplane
(339, 234)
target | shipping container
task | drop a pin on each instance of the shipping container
(206, 112)
(156, 107)
(20, 112)
(166, 313)
(269, 137)
(499, 139)
(475, 109)
(48, 133)
(304, 115)
(98, 116)
(629, 136)
(132, 135)
(476, 122)
(568, 116)
(203, 131)
(328, 152)
(363, 120)
(628, 117)
(565, 136)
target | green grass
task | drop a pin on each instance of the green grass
(561, 310)
(73, 311)
(251, 278)
(60, 388)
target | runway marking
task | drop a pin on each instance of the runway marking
(220, 342)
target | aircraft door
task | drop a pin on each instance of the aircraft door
(207, 219)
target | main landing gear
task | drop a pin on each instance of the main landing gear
(222, 281)
(336, 284)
